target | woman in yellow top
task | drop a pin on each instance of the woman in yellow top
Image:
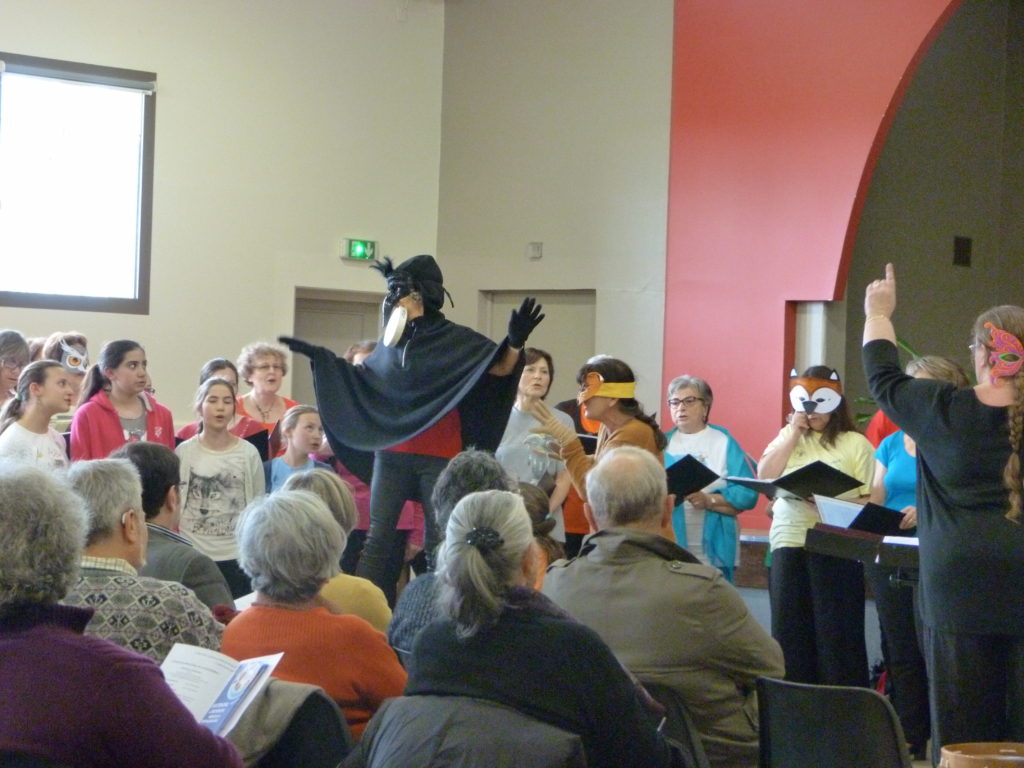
(817, 600)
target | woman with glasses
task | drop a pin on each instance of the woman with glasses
(13, 357)
(263, 367)
(969, 508)
(705, 521)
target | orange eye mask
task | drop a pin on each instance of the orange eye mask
(594, 386)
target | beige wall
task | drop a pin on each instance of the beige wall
(555, 129)
(284, 127)
(281, 129)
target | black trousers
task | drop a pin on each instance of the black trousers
(237, 579)
(397, 478)
(976, 686)
(901, 646)
(817, 606)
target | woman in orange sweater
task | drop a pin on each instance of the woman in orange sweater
(290, 545)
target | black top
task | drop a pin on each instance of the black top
(972, 557)
(539, 661)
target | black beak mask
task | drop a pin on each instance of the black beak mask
(420, 274)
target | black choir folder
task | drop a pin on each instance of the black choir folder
(816, 477)
(870, 518)
(688, 475)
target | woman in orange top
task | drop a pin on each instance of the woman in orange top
(608, 396)
(289, 545)
(263, 367)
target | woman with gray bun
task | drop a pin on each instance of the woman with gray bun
(502, 641)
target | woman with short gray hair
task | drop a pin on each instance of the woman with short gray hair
(705, 521)
(504, 642)
(49, 667)
(289, 545)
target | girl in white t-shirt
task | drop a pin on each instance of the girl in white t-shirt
(220, 475)
(44, 389)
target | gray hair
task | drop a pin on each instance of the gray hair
(289, 544)
(474, 578)
(697, 383)
(468, 472)
(628, 485)
(332, 490)
(109, 488)
(42, 532)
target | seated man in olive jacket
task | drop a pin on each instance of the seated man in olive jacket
(669, 619)
(170, 556)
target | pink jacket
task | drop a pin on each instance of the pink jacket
(96, 428)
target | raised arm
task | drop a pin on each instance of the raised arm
(879, 304)
(520, 325)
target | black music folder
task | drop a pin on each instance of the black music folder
(688, 475)
(816, 477)
(870, 518)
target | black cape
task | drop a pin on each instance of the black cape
(400, 391)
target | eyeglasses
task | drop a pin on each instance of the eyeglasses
(12, 364)
(268, 367)
(675, 402)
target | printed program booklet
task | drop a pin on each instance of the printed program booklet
(215, 688)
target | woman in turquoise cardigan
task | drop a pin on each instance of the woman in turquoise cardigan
(705, 521)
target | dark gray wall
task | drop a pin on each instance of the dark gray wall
(953, 164)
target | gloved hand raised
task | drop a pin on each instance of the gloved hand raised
(523, 321)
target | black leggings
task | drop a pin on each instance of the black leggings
(397, 478)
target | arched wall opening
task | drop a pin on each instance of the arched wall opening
(780, 111)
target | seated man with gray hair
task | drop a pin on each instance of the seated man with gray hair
(669, 619)
(69, 698)
(137, 612)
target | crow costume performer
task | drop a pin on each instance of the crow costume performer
(432, 388)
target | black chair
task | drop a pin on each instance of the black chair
(316, 737)
(420, 731)
(21, 760)
(679, 727)
(828, 725)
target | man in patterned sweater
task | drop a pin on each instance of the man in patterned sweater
(143, 614)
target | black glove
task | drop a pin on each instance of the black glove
(298, 345)
(523, 321)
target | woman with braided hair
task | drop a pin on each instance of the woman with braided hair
(504, 642)
(969, 501)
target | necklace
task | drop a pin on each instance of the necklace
(265, 414)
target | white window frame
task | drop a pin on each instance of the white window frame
(106, 76)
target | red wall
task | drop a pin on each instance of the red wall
(779, 110)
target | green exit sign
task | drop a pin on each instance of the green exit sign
(361, 250)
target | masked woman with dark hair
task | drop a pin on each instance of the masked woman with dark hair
(608, 395)
(817, 600)
(969, 503)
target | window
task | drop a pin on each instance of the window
(76, 185)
